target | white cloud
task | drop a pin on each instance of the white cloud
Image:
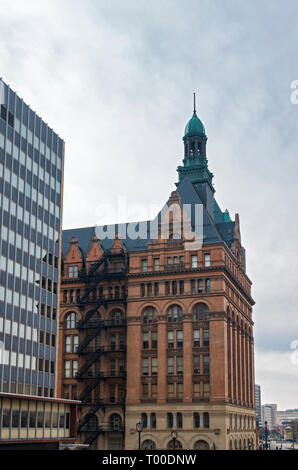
(115, 80)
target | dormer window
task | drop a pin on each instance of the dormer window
(73, 271)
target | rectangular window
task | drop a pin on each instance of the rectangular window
(154, 391)
(196, 390)
(194, 261)
(156, 264)
(206, 364)
(207, 285)
(154, 339)
(170, 339)
(145, 341)
(170, 365)
(179, 365)
(68, 344)
(206, 337)
(67, 369)
(193, 286)
(180, 339)
(181, 287)
(206, 390)
(154, 365)
(75, 343)
(145, 390)
(196, 364)
(196, 338)
(200, 286)
(145, 366)
(144, 265)
(170, 390)
(74, 368)
(179, 390)
(207, 260)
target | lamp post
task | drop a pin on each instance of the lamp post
(139, 428)
(174, 437)
(266, 436)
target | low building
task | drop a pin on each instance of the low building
(31, 422)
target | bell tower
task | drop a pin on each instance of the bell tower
(195, 163)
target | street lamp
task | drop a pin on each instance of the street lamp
(139, 428)
(174, 437)
(266, 436)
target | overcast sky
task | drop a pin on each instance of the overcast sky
(115, 79)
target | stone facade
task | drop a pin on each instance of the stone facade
(161, 331)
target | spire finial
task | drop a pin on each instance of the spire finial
(194, 103)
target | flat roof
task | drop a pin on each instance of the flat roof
(35, 397)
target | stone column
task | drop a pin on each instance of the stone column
(187, 359)
(218, 358)
(162, 361)
(134, 361)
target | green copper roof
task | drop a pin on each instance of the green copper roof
(194, 127)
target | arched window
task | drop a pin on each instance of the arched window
(179, 420)
(72, 320)
(115, 422)
(170, 420)
(174, 444)
(148, 445)
(144, 420)
(92, 422)
(201, 445)
(175, 314)
(196, 420)
(201, 312)
(231, 445)
(206, 420)
(116, 317)
(149, 315)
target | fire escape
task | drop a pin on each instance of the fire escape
(111, 267)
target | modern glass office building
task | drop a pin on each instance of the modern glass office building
(31, 180)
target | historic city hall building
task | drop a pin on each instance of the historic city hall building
(159, 330)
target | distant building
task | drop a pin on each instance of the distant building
(258, 404)
(284, 417)
(269, 414)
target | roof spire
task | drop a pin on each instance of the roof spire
(194, 103)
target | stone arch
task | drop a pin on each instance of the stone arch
(167, 439)
(115, 421)
(149, 437)
(200, 436)
(64, 314)
(148, 444)
(205, 311)
(117, 411)
(142, 307)
(173, 301)
(149, 314)
(197, 301)
(116, 315)
(201, 444)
